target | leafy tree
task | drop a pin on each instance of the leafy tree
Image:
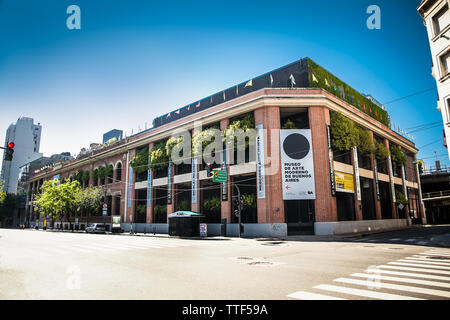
(400, 198)
(7, 207)
(212, 204)
(249, 200)
(200, 140)
(85, 176)
(244, 124)
(90, 200)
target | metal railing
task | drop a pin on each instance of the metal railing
(436, 194)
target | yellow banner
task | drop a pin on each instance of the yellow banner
(344, 181)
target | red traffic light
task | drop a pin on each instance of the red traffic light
(11, 145)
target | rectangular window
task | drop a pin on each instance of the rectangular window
(441, 20)
(445, 63)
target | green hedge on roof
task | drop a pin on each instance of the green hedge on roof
(340, 89)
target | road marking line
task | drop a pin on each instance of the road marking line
(302, 295)
(364, 293)
(399, 287)
(426, 261)
(395, 239)
(422, 242)
(397, 279)
(419, 265)
(431, 258)
(435, 254)
(416, 269)
(410, 240)
(408, 274)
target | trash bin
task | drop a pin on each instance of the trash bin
(185, 223)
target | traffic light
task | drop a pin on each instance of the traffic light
(9, 151)
(209, 170)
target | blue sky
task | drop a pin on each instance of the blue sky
(135, 60)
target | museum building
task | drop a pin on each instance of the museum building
(325, 162)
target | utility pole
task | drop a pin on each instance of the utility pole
(239, 207)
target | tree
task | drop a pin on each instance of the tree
(381, 152)
(90, 200)
(58, 199)
(365, 142)
(7, 207)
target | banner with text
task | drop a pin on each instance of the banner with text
(297, 165)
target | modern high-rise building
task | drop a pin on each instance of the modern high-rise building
(27, 138)
(436, 17)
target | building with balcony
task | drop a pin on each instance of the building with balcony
(436, 17)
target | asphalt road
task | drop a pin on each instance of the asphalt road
(54, 265)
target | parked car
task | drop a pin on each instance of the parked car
(96, 228)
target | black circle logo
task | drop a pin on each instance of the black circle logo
(296, 146)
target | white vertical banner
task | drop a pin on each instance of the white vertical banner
(405, 190)
(297, 165)
(260, 172)
(356, 167)
(391, 178)
(194, 181)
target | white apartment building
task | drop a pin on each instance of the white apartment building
(436, 17)
(27, 138)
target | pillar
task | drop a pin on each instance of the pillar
(149, 218)
(357, 182)
(325, 203)
(225, 205)
(391, 180)
(374, 183)
(271, 208)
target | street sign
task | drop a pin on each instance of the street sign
(105, 206)
(220, 176)
(105, 212)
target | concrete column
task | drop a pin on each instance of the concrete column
(391, 173)
(325, 203)
(130, 209)
(374, 183)
(271, 209)
(149, 218)
(226, 205)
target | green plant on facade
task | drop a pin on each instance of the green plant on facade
(139, 162)
(95, 174)
(400, 198)
(200, 140)
(344, 134)
(85, 176)
(160, 209)
(381, 152)
(398, 158)
(366, 146)
(249, 200)
(320, 78)
(245, 123)
(172, 143)
(184, 205)
(141, 209)
(212, 204)
(102, 172)
(288, 124)
(158, 157)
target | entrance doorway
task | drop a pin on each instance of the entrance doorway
(299, 216)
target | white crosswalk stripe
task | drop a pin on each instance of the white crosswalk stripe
(303, 295)
(435, 254)
(364, 293)
(433, 292)
(408, 274)
(418, 265)
(433, 262)
(399, 279)
(414, 275)
(416, 269)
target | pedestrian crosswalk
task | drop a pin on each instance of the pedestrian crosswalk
(421, 276)
(414, 241)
